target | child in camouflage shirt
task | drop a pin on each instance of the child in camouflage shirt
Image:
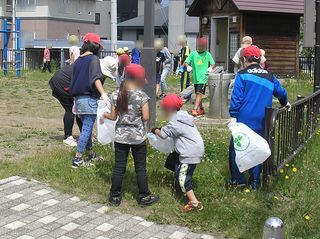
(130, 106)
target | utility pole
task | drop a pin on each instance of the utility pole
(114, 27)
(148, 58)
(317, 49)
(13, 28)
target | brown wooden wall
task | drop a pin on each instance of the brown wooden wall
(279, 37)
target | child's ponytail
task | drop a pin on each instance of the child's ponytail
(122, 100)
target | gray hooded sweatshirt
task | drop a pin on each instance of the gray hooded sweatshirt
(187, 139)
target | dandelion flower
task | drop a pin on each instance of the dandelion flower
(247, 190)
(300, 133)
(287, 165)
(307, 217)
(294, 170)
(281, 171)
(286, 177)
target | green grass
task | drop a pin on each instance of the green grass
(233, 213)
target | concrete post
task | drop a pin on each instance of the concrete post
(114, 27)
(176, 24)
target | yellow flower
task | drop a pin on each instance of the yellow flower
(307, 217)
(281, 171)
(286, 177)
(247, 190)
(300, 133)
(294, 170)
(287, 165)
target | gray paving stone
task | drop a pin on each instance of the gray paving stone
(48, 214)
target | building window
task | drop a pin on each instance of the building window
(97, 19)
(26, 5)
(189, 3)
(234, 41)
(64, 6)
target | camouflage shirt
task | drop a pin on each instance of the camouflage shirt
(130, 128)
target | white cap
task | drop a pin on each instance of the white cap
(109, 66)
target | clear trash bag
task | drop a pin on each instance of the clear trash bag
(162, 145)
(105, 131)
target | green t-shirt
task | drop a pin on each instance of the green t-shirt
(200, 63)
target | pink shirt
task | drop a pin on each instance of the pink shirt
(46, 54)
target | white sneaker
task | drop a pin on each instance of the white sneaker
(70, 141)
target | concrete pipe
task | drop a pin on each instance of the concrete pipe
(214, 83)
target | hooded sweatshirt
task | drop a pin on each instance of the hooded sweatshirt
(188, 141)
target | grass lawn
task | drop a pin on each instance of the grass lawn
(30, 146)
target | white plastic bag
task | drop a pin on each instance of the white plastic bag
(162, 145)
(251, 149)
(106, 131)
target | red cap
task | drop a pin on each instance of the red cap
(172, 101)
(93, 37)
(252, 51)
(202, 41)
(135, 71)
(124, 59)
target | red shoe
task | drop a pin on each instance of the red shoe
(195, 113)
(201, 111)
(192, 207)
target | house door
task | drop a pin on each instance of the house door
(220, 41)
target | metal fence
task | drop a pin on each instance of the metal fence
(32, 58)
(306, 65)
(288, 132)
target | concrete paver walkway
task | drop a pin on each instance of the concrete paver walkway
(30, 209)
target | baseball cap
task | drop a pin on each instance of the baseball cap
(135, 71)
(172, 101)
(93, 37)
(126, 48)
(202, 41)
(120, 51)
(124, 59)
(252, 51)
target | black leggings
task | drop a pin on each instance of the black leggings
(139, 153)
(68, 120)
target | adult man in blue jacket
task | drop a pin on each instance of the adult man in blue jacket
(253, 92)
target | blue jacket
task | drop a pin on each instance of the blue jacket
(135, 54)
(253, 92)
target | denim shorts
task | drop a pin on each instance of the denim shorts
(86, 105)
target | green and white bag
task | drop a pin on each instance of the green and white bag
(251, 149)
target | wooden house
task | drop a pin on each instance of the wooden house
(274, 26)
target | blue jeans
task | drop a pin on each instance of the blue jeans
(163, 81)
(85, 139)
(236, 176)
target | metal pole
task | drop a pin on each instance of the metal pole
(5, 47)
(114, 27)
(317, 49)
(18, 58)
(13, 30)
(148, 58)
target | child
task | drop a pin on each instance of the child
(159, 61)
(200, 59)
(86, 88)
(123, 61)
(188, 144)
(130, 105)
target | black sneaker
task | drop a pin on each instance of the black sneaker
(235, 184)
(78, 162)
(92, 156)
(114, 201)
(148, 200)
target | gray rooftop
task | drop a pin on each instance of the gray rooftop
(160, 18)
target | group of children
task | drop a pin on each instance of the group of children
(130, 108)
